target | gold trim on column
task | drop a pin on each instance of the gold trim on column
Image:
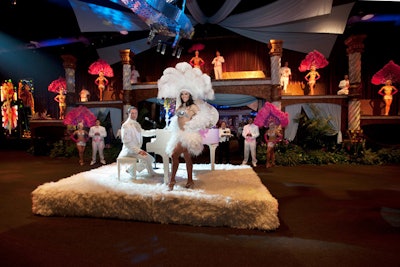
(275, 47)
(355, 43)
(125, 56)
(69, 61)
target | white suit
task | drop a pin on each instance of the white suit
(97, 133)
(250, 143)
(132, 140)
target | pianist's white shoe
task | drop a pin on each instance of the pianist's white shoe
(140, 166)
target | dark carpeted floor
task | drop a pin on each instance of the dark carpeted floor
(336, 215)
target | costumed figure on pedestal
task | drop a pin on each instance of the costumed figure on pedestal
(196, 61)
(388, 75)
(313, 61)
(103, 70)
(273, 119)
(59, 86)
(190, 87)
(9, 110)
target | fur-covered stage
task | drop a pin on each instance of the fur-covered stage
(230, 195)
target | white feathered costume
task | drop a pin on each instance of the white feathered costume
(186, 78)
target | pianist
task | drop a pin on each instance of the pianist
(132, 140)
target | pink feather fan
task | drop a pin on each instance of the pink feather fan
(195, 47)
(391, 71)
(313, 58)
(101, 65)
(57, 85)
(80, 114)
(269, 112)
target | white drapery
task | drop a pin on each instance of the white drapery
(326, 111)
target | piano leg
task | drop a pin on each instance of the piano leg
(165, 160)
(212, 148)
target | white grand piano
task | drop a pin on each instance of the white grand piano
(159, 143)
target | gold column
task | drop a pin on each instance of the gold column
(355, 47)
(128, 96)
(275, 53)
(69, 64)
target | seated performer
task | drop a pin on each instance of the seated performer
(132, 141)
(344, 86)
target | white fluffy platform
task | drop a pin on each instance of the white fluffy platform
(230, 196)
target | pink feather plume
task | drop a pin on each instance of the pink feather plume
(269, 112)
(57, 85)
(195, 47)
(80, 114)
(391, 71)
(101, 65)
(313, 58)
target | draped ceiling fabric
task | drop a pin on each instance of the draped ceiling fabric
(301, 29)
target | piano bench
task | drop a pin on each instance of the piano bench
(127, 160)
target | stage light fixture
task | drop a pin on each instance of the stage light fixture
(178, 55)
(159, 46)
(174, 51)
(164, 47)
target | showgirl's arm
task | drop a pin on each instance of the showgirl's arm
(279, 137)
(266, 137)
(73, 137)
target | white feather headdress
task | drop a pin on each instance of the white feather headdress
(184, 78)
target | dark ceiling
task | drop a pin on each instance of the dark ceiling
(37, 20)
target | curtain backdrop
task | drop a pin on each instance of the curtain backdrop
(325, 111)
